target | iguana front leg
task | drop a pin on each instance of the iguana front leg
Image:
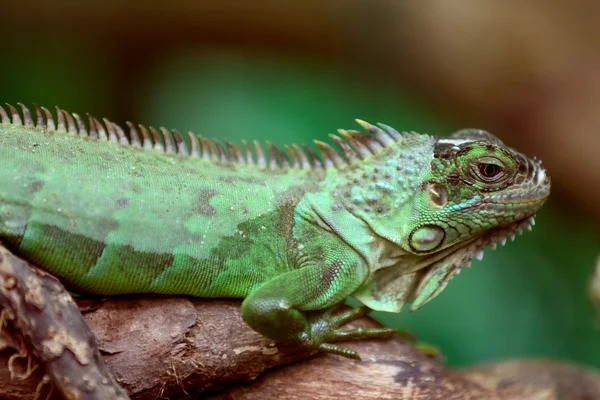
(298, 306)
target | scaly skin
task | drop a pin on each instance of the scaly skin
(390, 222)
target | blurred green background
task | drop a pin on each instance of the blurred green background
(296, 72)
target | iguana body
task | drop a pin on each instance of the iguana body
(389, 222)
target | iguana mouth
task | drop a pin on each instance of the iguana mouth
(436, 276)
(492, 238)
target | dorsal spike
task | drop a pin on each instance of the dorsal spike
(260, 154)
(40, 121)
(235, 154)
(213, 150)
(182, 146)
(363, 151)
(100, 129)
(80, 125)
(158, 141)
(112, 134)
(292, 152)
(93, 129)
(304, 161)
(60, 120)
(249, 155)
(120, 134)
(391, 131)
(382, 137)
(49, 119)
(283, 158)
(222, 154)
(16, 118)
(373, 145)
(229, 150)
(28, 121)
(195, 143)
(208, 150)
(169, 146)
(4, 116)
(314, 159)
(134, 135)
(71, 127)
(239, 153)
(328, 163)
(146, 138)
(330, 156)
(348, 151)
(273, 162)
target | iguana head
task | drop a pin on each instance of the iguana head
(471, 192)
(475, 184)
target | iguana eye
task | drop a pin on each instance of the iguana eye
(490, 171)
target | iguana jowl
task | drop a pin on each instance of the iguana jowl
(389, 219)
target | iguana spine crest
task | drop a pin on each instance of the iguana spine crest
(356, 146)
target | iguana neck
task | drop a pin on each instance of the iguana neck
(380, 190)
(361, 202)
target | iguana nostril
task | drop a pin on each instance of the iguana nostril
(547, 179)
(541, 177)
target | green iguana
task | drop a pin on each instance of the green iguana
(389, 219)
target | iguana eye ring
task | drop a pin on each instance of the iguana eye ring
(490, 171)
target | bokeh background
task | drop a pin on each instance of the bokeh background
(295, 70)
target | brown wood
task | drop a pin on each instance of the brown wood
(45, 317)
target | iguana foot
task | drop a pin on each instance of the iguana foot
(325, 328)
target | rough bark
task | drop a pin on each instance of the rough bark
(49, 321)
(176, 347)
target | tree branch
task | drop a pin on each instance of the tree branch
(49, 321)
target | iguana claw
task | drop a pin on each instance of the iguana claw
(325, 329)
